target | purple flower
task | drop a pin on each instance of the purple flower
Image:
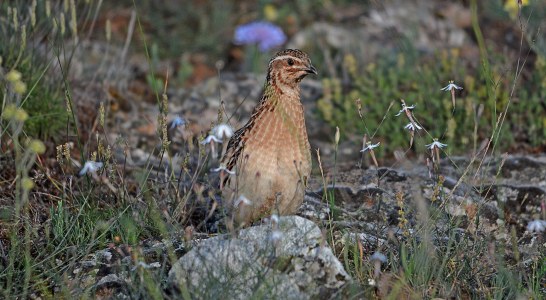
(265, 34)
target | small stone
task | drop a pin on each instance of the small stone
(88, 264)
(110, 281)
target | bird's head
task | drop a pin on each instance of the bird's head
(288, 67)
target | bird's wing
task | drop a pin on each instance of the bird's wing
(238, 140)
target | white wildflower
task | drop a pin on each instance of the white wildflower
(370, 146)
(405, 109)
(225, 169)
(90, 167)
(177, 121)
(211, 138)
(536, 226)
(412, 127)
(436, 144)
(242, 200)
(451, 86)
(222, 131)
(378, 256)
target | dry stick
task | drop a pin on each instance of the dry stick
(501, 119)
(162, 111)
(382, 120)
(430, 135)
(92, 26)
(130, 31)
(375, 132)
(237, 108)
(325, 193)
(172, 173)
(478, 113)
(321, 170)
(193, 181)
(358, 103)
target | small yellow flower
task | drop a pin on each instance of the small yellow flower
(27, 183)
(19, 87)
(270, 12)
(13, 76)
(37, 146)
(20, 115)
(9, 111)
(512, 6)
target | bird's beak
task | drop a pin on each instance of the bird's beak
(311, 70)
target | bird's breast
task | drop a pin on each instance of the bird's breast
(279, 140)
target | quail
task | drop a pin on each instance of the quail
(269, 157)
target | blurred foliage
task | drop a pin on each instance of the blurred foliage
(529, 116)
(196, 26)
(22, 28)
(418, 81)
(534, 32)
(532, 18)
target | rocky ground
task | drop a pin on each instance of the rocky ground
(293, 253)
(477, 202)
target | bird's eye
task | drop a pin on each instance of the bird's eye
(290, 62)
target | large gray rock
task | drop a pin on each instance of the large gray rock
(288, 261)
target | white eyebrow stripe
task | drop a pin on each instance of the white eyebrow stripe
(283, 57)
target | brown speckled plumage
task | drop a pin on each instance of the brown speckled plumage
(271, 154)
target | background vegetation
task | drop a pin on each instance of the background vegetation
(50, 219)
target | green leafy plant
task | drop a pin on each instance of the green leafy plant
(379, 87)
